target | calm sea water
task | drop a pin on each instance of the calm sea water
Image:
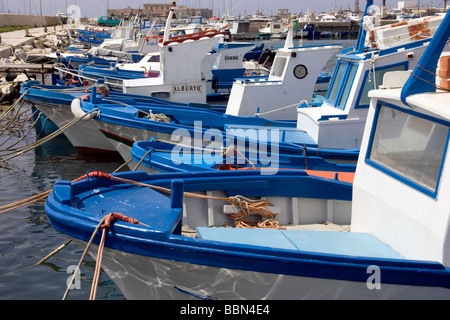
(26, 235)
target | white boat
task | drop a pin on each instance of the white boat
(293, 77)
(339, 121)
(392, 239)
(180, 77)
(328, 18)
(275, 29)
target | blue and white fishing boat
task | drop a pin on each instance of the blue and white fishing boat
(56, 104)
(295, 75)
(124, 122)
(155, 155)
(394, 237)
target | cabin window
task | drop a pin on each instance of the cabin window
(409, 147)
(278, 66)
(370, 81)
(153, 59)
(161, 94)
(341, 84)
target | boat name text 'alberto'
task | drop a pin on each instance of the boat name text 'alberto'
(187, 88)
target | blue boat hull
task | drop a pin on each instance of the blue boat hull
(155, 155)
(155, 260)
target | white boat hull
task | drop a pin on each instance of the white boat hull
(84, 135)
(141, 277)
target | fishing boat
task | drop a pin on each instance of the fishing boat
(392, 240)
(124, 122)
(156, 155)
(273, 30)
(220, 67)
(338, 121)
(180, 77)
(53, 102)
(57, 107)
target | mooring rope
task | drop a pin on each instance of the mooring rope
(51, 254)
(18, 130)
(13, 105)
(51, 136)
(13, 118)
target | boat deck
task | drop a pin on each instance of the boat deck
(327, 242)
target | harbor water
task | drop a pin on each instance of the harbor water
(26, 235)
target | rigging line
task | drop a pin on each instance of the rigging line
(429, 82)
(282, 108)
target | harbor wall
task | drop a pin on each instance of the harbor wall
(28, 20)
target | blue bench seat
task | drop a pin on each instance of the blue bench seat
(329, 242)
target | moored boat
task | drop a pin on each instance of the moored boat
(156, 155)
(397, 246)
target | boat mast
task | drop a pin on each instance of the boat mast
(169, 21)
(362, 33)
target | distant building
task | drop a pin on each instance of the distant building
(161, 10)
(407, 5)
(283, 13)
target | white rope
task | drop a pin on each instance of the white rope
(282, 108)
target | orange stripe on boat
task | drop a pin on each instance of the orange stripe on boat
(341, 176)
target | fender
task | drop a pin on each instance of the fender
(75, 107)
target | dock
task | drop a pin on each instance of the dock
(27, 68)
(344, 26)
(9, 41)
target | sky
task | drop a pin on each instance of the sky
(95, 8)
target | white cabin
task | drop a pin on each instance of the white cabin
(402, 172)
(180, 77)
(292, 78)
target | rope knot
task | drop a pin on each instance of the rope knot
(95, 174)
(117, 216)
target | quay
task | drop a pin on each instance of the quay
(9, 41)
(343, 26)
(249, 30)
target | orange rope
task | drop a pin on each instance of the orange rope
(106, 224)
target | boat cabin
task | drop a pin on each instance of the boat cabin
(339, 122)
(293, 77)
